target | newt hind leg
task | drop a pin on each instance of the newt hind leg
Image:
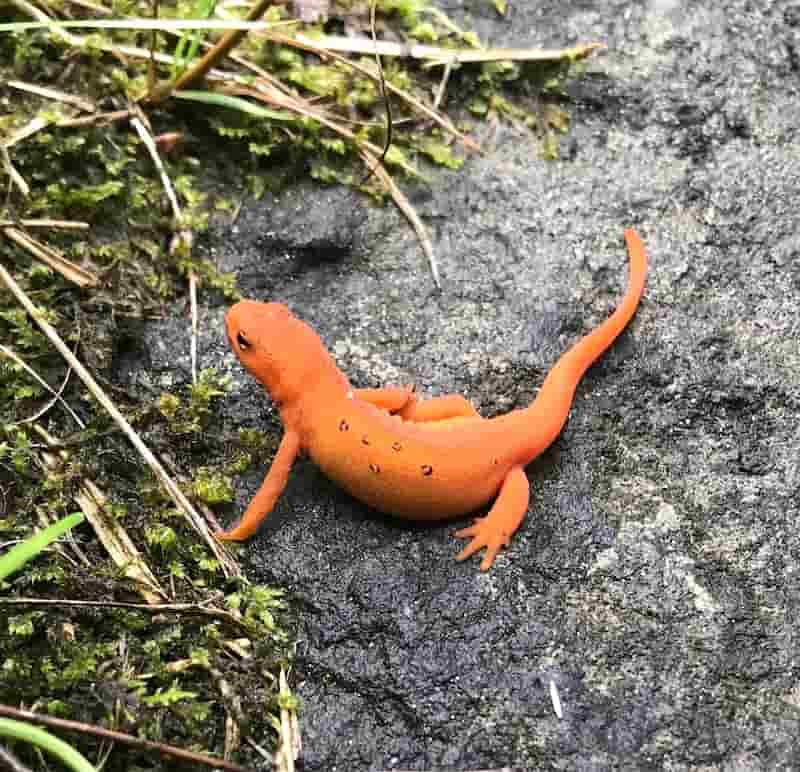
(390, 398)
(496, 529)
(403, 401)
(442, 408)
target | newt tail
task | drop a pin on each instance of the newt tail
(548, 413)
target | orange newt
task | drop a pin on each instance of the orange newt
(421, 460)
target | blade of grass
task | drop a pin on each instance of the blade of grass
(191, 38)
(234, 103)
(66, 754)
(19, 555)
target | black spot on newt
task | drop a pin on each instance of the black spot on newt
(397, 447)
(374, 468)
(343, 426)
(365, 440)
(427, 470)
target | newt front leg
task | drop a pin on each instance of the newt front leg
(272, 487)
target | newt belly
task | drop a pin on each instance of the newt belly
(401, 469)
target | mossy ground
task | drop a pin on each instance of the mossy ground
(173, 676)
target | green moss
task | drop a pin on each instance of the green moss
(166, 697)
(212, 487)
(16, 449)
(84, 200)
(22, 625)
(440, 153)
(169, 405)
(258, 606)
(409, 11)
(162, 536)
(191, 414)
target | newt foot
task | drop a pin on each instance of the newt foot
(483, 534)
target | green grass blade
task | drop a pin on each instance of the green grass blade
(191, 39)
(19, 730)
(234, 103)
(18, 556)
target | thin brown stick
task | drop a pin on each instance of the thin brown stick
(229, 566)
(226, 44)
(13, 175)
(404, 205)
(64, 225)
(120, 737)
(190, 609)
(55, 95)
(14, 357)
(11, 763)
(90, 120)
(384, 95)
(52, 258)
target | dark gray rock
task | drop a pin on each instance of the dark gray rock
(655, 579)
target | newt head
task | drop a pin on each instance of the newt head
(276, 347)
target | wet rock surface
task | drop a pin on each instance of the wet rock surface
(654, 581)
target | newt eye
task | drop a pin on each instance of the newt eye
(244, 344)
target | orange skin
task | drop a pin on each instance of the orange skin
(421, 460)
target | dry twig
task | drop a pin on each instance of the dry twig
(434, 55)
(404, 205)
(190, 609)
(182, 240)
(53, 94)
(9, 353)
(11, 763)
(15, 177)
(52, 258)
(384, 96)
(120, 737)
(289, 743)
(65, 225)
